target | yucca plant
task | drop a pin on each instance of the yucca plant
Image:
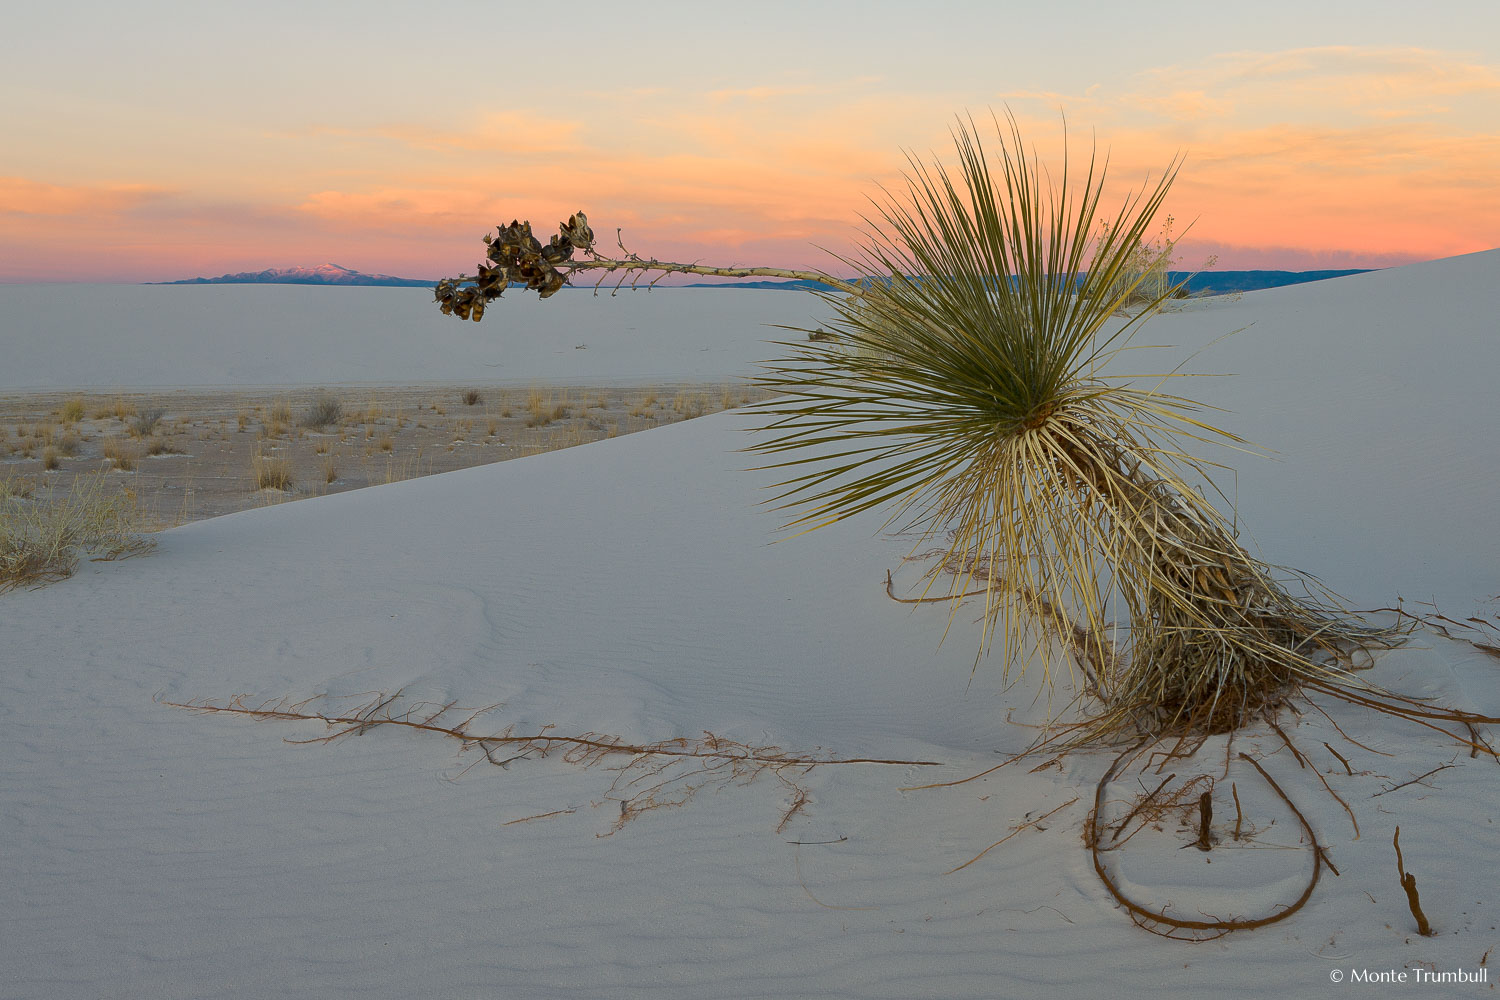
(970, 384)
(967, 385)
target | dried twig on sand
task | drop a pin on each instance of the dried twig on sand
(648, 776)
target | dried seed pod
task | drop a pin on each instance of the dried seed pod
(577, 232)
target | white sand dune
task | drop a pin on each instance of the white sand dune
(631, 587)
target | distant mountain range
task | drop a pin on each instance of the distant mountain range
(323, 274)
(1201, 283)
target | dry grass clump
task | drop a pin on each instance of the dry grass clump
(120, 453)
(42, 541)
(72, 411)
(161, 446)
(643, 407)
(542, 409)
(330, 468)
(271, 472)
(16, 488)
(472, 397)
(50, 460)
(324, 411)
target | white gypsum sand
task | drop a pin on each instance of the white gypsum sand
(629, 587)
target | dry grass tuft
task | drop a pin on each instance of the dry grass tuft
(690, 404)
(121, 453)
(271, 472)
(42, 540)
(16, 488)
(72, 411)
(472, 397)
(542, 409)
(161, 446)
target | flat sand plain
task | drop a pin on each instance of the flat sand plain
(191, 454)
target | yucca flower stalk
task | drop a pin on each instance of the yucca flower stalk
(967, 385)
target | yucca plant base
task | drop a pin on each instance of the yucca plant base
(1214, 638)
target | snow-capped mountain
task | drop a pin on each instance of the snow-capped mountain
(323, 274)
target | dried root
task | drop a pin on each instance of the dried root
(648, 776)
(1409, 883)
(1155, 920)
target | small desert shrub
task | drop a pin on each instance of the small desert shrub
(72, 411)
(146, 420)
(123, 409)
(330, 469)
(67, 445)
(471, 397)
(271, 472)
(242, 420)
(49, 459)
(321, 447)
(385, 442)
(121, 453)
(1145, 278)
(41, 542)
(281, 411)
(323, 412)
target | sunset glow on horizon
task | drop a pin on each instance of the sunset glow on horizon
(169, 141)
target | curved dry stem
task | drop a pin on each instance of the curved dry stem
(1141, 912)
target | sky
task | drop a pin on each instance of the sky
(155, 141)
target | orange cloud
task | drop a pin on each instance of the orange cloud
(23, 196)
